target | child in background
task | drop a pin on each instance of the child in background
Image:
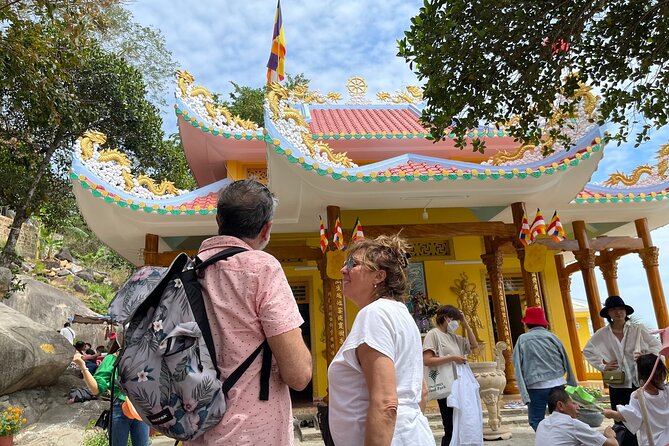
(656, 397)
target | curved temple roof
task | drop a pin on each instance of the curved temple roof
(400, 168)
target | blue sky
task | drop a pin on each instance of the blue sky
(331, 41)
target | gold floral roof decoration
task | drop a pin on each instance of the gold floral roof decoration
(292, 125)
(656, 174)
(583, 122)
(114, 167)
(202, 101)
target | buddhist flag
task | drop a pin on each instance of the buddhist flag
(275, 71)
(555, 229)
(324, 236)
(338, 238)
(524, 234)
(357, 231)
(538, 226)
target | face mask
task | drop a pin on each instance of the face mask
(453, 325)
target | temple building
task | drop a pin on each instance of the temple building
(357, 158)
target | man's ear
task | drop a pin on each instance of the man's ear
(266, 230)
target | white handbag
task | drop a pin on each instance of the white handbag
(439, 380)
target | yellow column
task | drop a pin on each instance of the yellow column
(649, 256)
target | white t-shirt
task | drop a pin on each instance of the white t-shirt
(658, 413)
(559, 429)
(68, 334)
(386, 326)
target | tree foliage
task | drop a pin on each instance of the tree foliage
(55, 84)
(142, 46)
(247, 102)
(489, 60)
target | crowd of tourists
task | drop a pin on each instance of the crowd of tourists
(378, 380)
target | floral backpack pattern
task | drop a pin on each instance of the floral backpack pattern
(167, 365)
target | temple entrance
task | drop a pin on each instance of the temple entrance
(514, 292)
(301, 293)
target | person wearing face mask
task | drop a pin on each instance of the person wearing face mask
(443, 346)
(540, 363)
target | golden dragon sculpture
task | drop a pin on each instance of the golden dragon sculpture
(277, 93)
(87, 142)
(660, 169)
(185, 79)
(412, 95)
(583, 92)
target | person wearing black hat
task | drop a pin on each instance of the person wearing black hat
(615, 347)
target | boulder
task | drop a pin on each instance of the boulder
(5, 280)
(65, 254)
(53, 307)
(86, 275)
(32, 354)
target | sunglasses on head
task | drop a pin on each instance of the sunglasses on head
(351, 263)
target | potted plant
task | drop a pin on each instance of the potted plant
(591, 412)
(11, 420)
(422, 308)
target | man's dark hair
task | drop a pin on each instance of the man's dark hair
(531, 326)
(79, 345)
(447, 311)
(66, 324)
(243, 208)
(556, 395)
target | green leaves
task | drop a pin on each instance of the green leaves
(489, 60)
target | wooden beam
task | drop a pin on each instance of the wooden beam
(490, 228)
(282, 254)
(565, 292)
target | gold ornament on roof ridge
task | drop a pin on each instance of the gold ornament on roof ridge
(302, 93)
(584, 92)
(357, 86)
(185, 79)
(659, 170)
(90, 138)
(275, 95)
(412, 95)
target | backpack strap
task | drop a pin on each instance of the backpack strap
(197, 302)
(200, 265)
(264, 371)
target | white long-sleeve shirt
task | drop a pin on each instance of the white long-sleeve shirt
(658, 417)
(605, 346)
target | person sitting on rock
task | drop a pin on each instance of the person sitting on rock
(562, 428)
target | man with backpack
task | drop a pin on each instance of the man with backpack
(248, 300)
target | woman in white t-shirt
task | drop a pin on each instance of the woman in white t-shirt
(376, 378)
(443, 346)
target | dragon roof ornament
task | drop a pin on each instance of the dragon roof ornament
(202, 101)
(292, 125)
(113, 167)
(581, 123)
(657, 174)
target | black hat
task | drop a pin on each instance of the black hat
(614, 302)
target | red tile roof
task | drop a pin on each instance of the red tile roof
(203, 202)
(364, 121)
(423, 169)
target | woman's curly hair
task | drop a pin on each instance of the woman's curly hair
(390, 254)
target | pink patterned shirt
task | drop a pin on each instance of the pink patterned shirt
(248, 299)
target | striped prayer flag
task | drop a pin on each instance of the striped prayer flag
(357, 231)
(538, 226)
(338, 238)
(555, 229)
(524, 234)
(275, 70)
(324, 236)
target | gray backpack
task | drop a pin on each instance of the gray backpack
(167, 365)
